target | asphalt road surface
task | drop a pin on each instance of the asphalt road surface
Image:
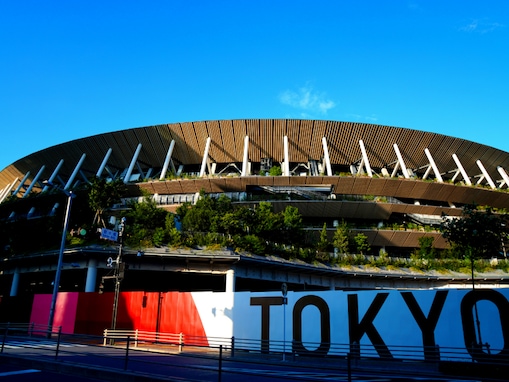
(32, 357)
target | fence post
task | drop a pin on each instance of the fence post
(31, 330)
(58, 341)
(127, 352)
(349, 366)
(136, 338)
(220, 363)
(105, 335)
(233, 347)
(181, 342)
(5, 337)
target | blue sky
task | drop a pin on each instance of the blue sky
(75, 68)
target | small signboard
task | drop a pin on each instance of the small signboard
(109, 234)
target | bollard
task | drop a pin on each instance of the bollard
(127, 352)
(349, 366)
(5, 337)
(233, 347)
(220, 363)
(58, 341)
(181, 342)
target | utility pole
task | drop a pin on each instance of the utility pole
(119, 274)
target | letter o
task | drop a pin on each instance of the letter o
(298, 346)
(468, 321)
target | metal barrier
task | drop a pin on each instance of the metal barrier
(346, 358)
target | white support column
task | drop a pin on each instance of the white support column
(461, 169)
(486, 175)
(286, 169)
(245, 158)
(34, 181)
(504, 176)
(91, 276)
(75, 172)
(7, 190)
(326, 156)
(54, 174)
(365, 159)
(133, 163)
(395, 170)
(103, 163)
(434, 166)
(230, 281)
(22, 183)
(456, 174)
(401, 162)
(167, 160)
(205, 157)
(15, 283)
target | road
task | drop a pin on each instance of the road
(107, 363)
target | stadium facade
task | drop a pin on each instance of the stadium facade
(373, 176)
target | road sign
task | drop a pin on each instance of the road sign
(109, 234)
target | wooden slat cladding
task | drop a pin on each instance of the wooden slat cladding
(265, 141)
(225, 131)
(239, 134)
(191, 141)
(217, 146)
(256, 151)
(201, 133)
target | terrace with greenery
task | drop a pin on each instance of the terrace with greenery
(214, 223)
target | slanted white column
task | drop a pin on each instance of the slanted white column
(54, 174)
(504, 176)
(326, 157)
(8, 189)
(286, 169)
(103, 163)
(4, 192)
(395, 170)
(34, 181)
(15, 283)
(133, 163)
(167, 160)
(75, 172)
(486, 175)
(245, 157)
(401, 162)
(434, 166)
(91, 276)
(205, 157)
(22, 183)
(230, 281)
(461, 169)
(365, 160)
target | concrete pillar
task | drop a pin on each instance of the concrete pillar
(15, 283)
(91, 275)
(230, 281)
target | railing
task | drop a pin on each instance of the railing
(343, 358)
(295, 349)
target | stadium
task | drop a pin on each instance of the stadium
(392, 184)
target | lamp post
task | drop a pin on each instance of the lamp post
(56, 282)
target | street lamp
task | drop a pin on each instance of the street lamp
(70, 196)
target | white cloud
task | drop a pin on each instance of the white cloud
(358, 117)
(481, 26)
(307, 100)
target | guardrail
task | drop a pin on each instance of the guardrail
(351, 358)
(296, 349)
